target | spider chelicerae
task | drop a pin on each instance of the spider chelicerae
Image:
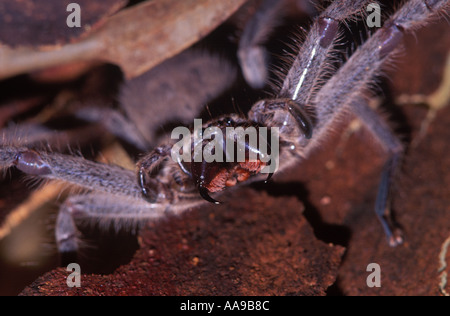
(312, 97)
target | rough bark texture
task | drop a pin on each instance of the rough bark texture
(263, 246)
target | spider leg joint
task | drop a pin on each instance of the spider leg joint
(30, 162)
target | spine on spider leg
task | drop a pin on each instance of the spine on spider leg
(357, 73)
(313, 61)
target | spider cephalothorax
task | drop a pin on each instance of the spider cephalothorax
(231, 149)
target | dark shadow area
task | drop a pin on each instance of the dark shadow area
(335, 289)
(328, 233)
(102, 252)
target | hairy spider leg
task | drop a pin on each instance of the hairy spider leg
(353, 78)
(313, 61)
(394, 149)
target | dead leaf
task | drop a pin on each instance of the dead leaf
(136, 39)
